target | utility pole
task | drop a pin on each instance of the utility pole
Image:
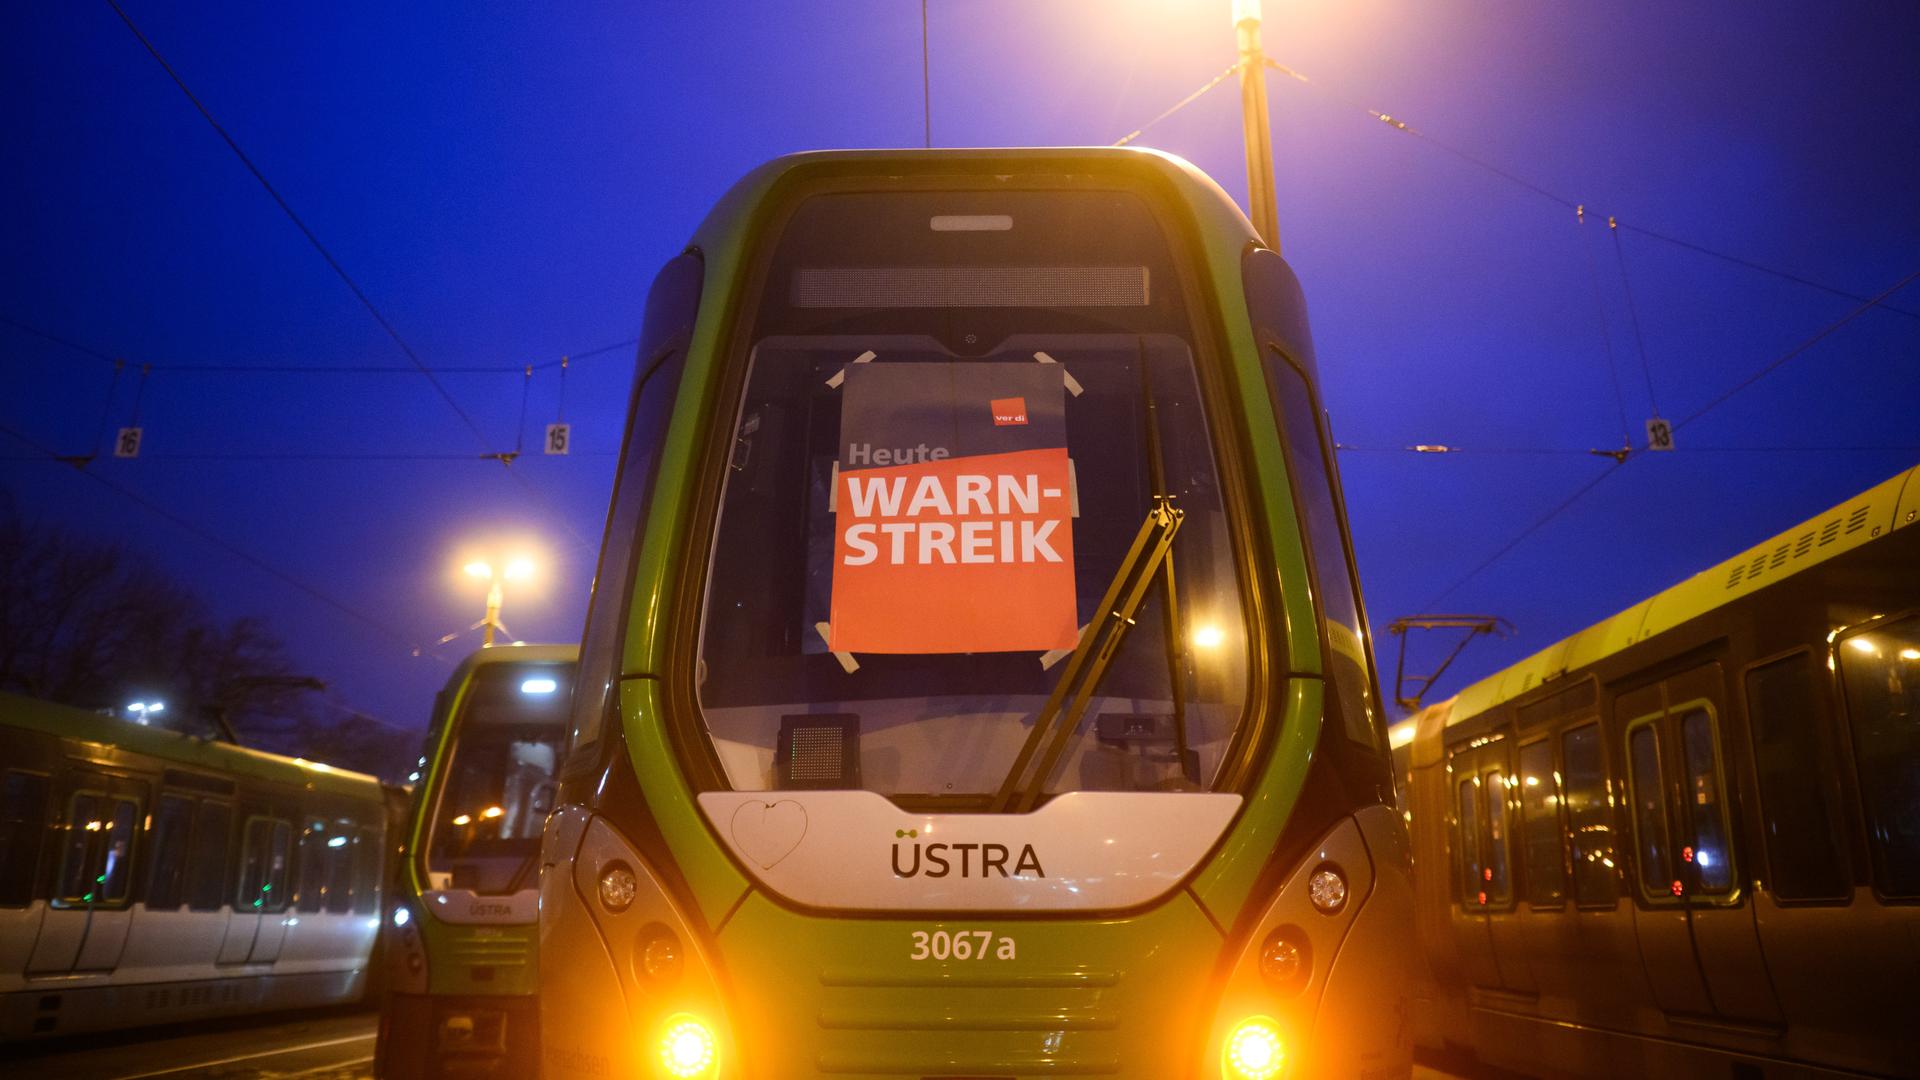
(1253, 114)
(493, 614)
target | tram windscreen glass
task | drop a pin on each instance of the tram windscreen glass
(496, 787)
(947, 441)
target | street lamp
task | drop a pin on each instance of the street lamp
(518, 568)
(1253, 117)
(143, 712)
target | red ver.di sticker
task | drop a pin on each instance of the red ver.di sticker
(953, 529)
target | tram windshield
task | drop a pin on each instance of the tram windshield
(959, 410)
(496, 787)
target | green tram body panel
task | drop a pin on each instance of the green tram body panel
(462, 984)
(1101, 993)
(504, 953)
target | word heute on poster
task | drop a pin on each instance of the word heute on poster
(953, 529)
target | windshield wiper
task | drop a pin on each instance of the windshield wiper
(1054, 727)
(1149, 557)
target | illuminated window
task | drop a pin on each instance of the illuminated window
(1540, 824)
(1880, 670)
(1589, 817)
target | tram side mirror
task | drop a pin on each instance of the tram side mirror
(542, 798)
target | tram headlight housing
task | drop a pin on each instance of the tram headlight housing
(658, 955)
(1253, 1050)
(689, 1048)
(1327, 888)
(1286, 959)
(617, 887)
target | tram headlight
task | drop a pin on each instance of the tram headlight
(688, 1047)
(1327, 888)
(401, 916)
(658, 956)
(1285, 959)
(617, 887)
(1253, 1051)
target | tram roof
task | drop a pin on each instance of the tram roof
(32, 714)
(1210, 203)
(1873, 513)
(512, 654)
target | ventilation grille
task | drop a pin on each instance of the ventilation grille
(1797, 549)
(970, 287)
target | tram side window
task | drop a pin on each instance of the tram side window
(1320, 522)
(339, 864)
(172, 828)
(207, 861)
(1472, 886)
(263, 866)
(1497, 875)
(23, 818)
(1589, 816)
(1649, 810)
(1540, 825)
(96, 863)
(672, 303)
(312, 870)
(1799, 796)
(1710, 853)
(1880, 670)
(366, 872)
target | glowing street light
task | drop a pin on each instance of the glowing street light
(143, 712)
(517, 568)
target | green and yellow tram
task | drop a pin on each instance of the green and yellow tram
(975, 682)
(461, 933)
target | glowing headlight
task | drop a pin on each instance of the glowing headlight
(401, 916)
(688, 1047)
(1253, 1051)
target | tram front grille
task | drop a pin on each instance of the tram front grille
(984, 1024)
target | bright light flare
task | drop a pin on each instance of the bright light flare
(519, 569)
(688, 1047)
(492, 812)
(463, 819)
(1254, 1050)
(1208, 637)
(479, 568)
(539, 686)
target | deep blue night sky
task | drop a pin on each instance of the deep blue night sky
(504, 181)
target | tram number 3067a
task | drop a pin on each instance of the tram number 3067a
(960, 945)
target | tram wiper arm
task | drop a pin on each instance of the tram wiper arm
(1091, 659)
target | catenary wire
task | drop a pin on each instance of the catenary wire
(1616, 466)
(1401, 125)
(229, 547)
(353, 286)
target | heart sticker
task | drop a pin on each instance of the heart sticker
(768, 832)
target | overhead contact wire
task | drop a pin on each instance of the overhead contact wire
(225, 545)
(1181, 104)
(334, 264)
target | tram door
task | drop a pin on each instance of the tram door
(1695, 920)
(1486, 930)
(86, 924)
(258, 924)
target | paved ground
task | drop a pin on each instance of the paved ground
(336, 1046)
(329, 1046)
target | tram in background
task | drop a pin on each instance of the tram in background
(460, 939)
(149, 877)
(1686, 841)
(897, 752)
